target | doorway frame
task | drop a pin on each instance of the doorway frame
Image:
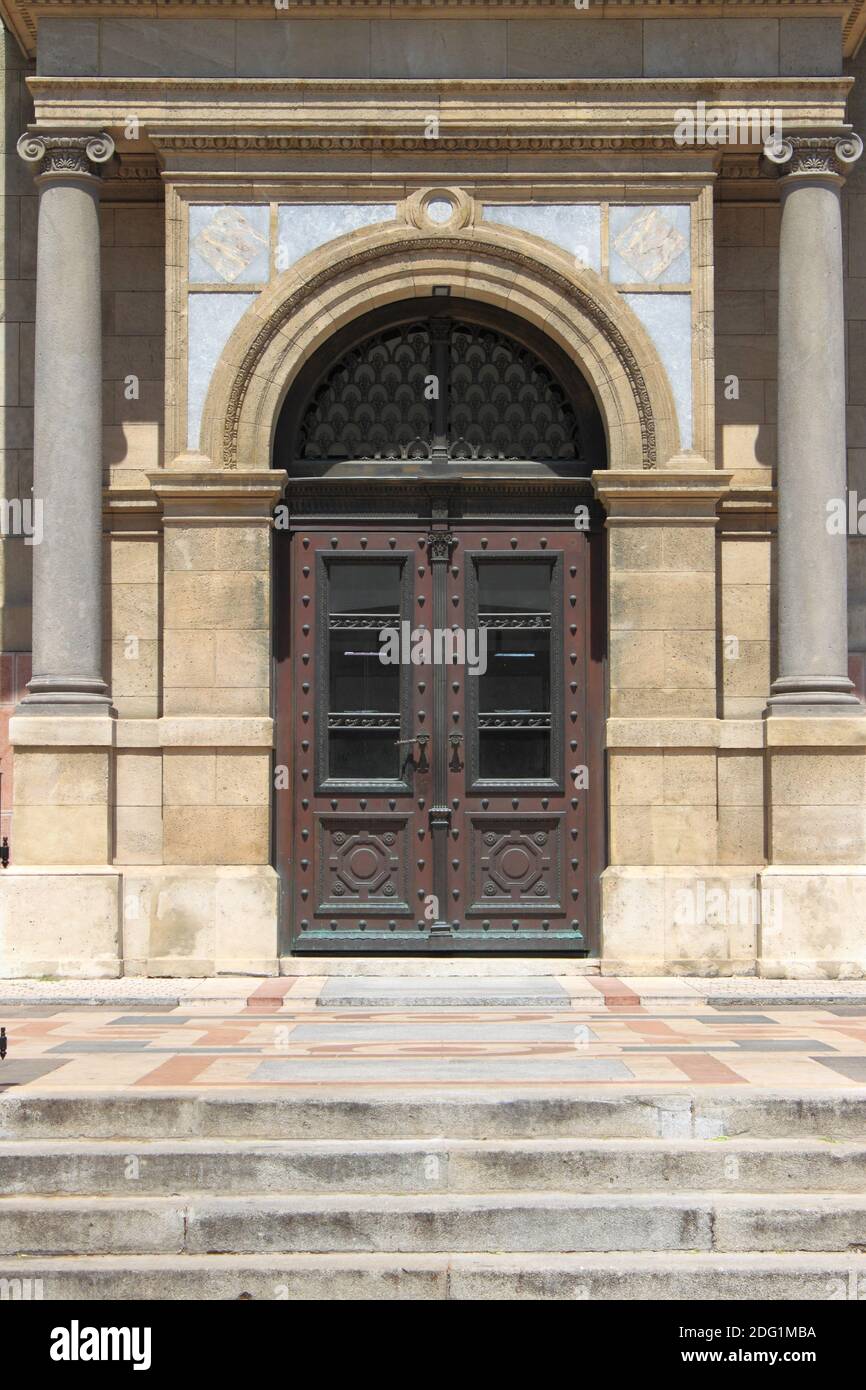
(322, 504)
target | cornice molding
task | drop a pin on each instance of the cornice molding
(745, 88)
(551, 144)
(215, 491)
(554, 114)
(21, 16)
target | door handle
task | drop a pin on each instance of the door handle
(423, 739)
(455, 739)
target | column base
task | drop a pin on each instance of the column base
(66, 695)
(800, 696)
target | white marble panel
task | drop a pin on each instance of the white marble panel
(302, 227)
(650, 244)
(574, 227)
(229, 242)
(212, 317)
(668, 320)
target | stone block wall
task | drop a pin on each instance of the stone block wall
(579, 46)
(662, 620)
(854, 232)
(217, 618)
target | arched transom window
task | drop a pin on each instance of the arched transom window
(443, 389)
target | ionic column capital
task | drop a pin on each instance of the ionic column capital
(815, 156)
(64, 156)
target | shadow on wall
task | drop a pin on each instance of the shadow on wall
(746, 307)
(133, 372)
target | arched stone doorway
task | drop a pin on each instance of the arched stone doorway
(439, 597)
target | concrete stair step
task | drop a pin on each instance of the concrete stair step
(446, 1223)
(671, 1276)
(839, 1114)
(95, 1168)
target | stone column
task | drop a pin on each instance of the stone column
(813, 600)
(67, 463)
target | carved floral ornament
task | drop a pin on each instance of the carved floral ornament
(66, 154)
(822, 155)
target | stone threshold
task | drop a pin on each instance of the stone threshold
(389, 983)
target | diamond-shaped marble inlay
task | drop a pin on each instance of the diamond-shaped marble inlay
(650, 243)
(229, 243)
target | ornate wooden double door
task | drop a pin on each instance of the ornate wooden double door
(441, 720)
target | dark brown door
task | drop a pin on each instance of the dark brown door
(446, 779)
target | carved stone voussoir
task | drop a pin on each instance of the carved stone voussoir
(804, 155)
(61, 155)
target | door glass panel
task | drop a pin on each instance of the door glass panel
(363, 694)
(514, 696)
(513, 587)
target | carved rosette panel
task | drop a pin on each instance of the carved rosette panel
(361, 865)
(515, 862)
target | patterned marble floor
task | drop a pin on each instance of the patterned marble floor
(296, 1033)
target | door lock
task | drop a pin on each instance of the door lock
(423, 739)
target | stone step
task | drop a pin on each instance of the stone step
(670, 1276)
(442, 1223)
(521, 992)
(603, 1113)
(281, 1166)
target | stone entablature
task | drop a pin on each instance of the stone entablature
(577, 114)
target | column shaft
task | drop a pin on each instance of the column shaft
(67, 464)
(813, 600)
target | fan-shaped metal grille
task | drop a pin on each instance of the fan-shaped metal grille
(504, 403)
(372, 403)
(496, 400)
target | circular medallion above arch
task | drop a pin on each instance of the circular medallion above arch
(370, 268)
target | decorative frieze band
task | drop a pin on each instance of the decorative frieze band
(804, 155)
(61, 155)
